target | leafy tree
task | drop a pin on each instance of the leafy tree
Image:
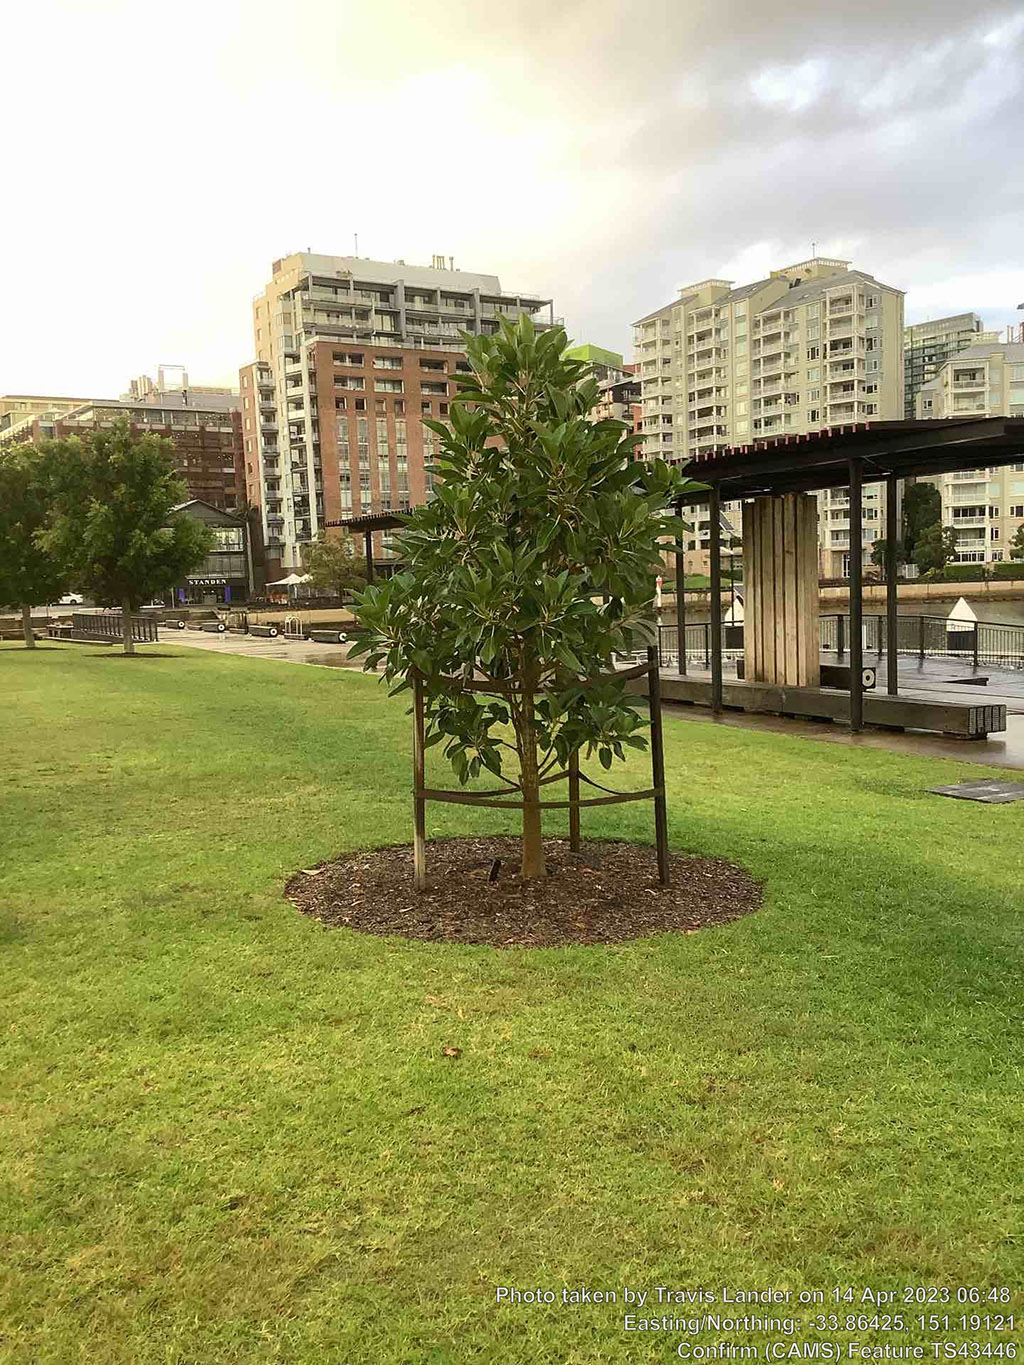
(878, 550)
(112, 519)
(531, 566)
(332, 563)
(922, 508)
(1017, 543)
(934, 548)
(29, 574)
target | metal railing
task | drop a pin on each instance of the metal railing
(931, 637)
(107, 626)
(924, 637)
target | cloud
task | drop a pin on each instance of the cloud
(602, 152)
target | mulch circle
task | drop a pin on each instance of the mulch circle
(609, 892)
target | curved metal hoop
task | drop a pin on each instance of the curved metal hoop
(488, 798)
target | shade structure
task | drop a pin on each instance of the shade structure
(292, 581)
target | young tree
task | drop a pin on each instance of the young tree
(29, 574)
(112, 518)
(1017, 543)
(332, 563)
(935, 547)
(531, 566)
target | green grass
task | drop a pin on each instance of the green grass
(230, 1135)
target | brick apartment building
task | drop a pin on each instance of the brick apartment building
(351, 354)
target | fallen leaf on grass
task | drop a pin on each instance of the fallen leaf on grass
(451, 1052)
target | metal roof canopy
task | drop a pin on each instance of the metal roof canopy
(821, 459)
(373, 521)
(840, 457)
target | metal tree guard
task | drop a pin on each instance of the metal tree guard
(421, 794)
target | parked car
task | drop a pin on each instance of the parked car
(71, 599)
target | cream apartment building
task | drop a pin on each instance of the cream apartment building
(985, 506)
(814, 345)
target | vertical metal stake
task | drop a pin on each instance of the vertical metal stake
(574, 801)
(658, 766)
(419, 805)
(975, 644)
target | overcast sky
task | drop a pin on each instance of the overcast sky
(155, 160)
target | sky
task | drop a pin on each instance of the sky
(155, 160)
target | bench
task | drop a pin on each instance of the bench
(265, 632)
(962, 720)
(213, 627)
(330, 637)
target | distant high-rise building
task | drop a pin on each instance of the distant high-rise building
(816, 344)
(985, 506)
(351, 354)
(928, 345)
(618, 384)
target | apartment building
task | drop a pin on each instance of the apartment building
(351, 354)
(815, 344)
(985, 506)
(208, 441)
(928, 345)
(19, 411)
(618, 384)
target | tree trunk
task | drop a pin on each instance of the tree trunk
(126, 627)
(26, 626)
(533, 844)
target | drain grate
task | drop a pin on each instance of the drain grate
(995, 793)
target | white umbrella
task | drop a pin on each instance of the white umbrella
(291, 581)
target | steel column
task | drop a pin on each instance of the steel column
(716, 599)
(369, 556)
(680, 598)
(892, 655)
(856, 596)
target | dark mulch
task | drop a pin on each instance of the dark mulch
(607, 893)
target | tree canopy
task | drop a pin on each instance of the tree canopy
(531, 567)
(935, 547)
(30, 574)
(334, 564)
(112, 519)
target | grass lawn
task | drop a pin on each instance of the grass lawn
(227, 1134)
